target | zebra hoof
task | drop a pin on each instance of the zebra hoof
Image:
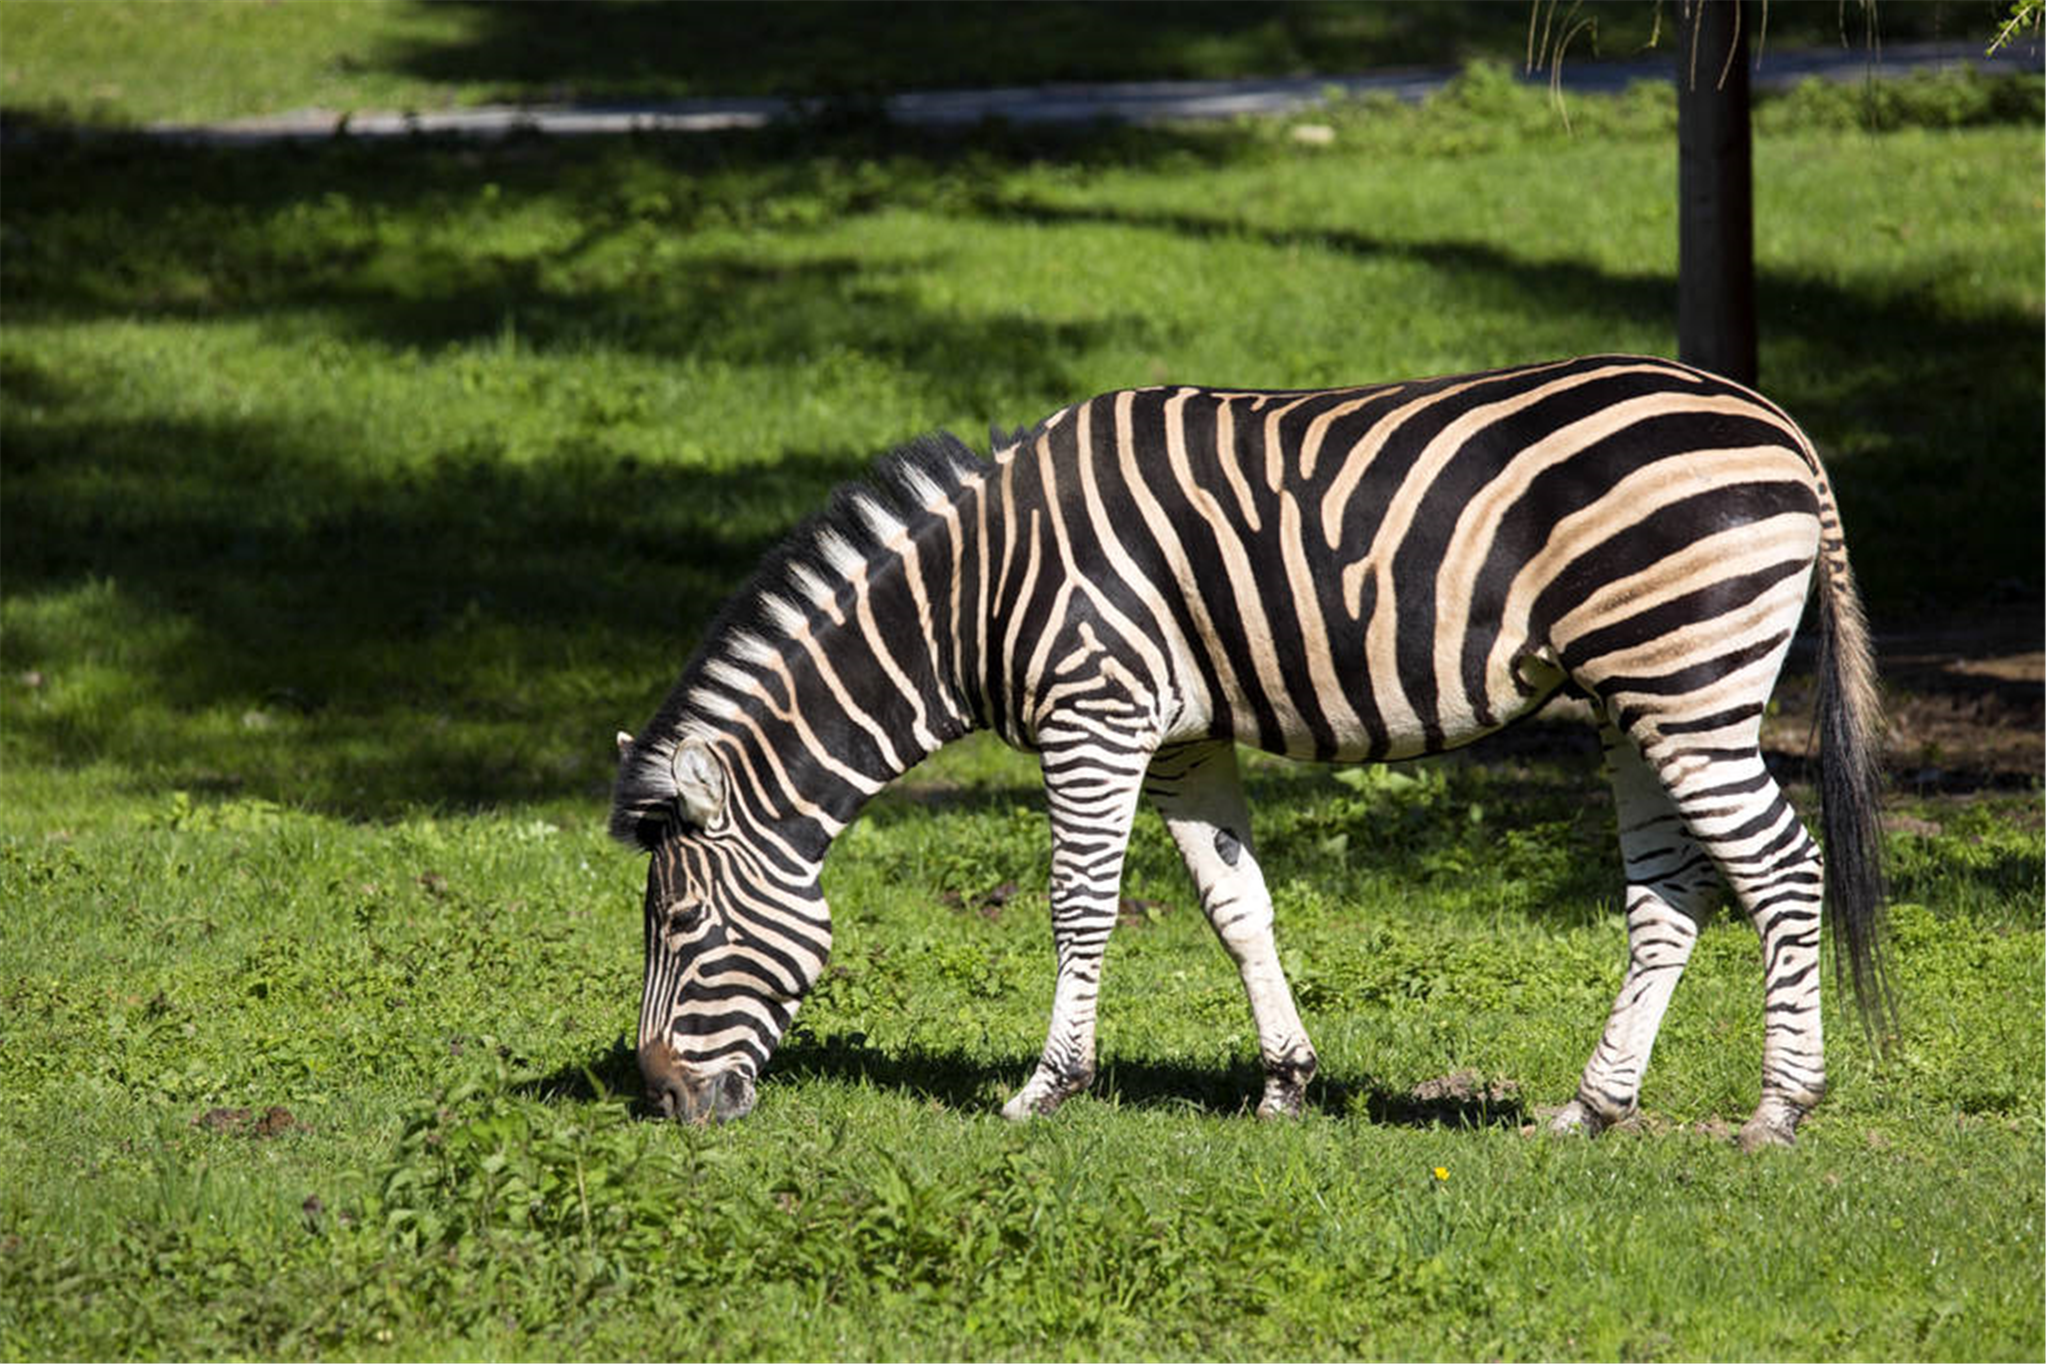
(1773, 1125)
(1280, 1107)
(1286, 1084)
(1760, 1136)
(1022, 1109)
(1033, 1101)
(1575, 1119)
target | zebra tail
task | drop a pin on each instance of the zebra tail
(1851, 783)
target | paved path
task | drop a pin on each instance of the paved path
(1129, 101)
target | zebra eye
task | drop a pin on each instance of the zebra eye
(684, 915)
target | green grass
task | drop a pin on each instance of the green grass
(142, 60)
(352, 498)
(441, 1006)
(136, 61)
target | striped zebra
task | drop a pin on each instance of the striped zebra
(1148, 578)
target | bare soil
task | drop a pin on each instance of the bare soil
(274, 1121)
(1965, 704)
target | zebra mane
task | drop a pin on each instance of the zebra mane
(790, 587)
(1000, 440)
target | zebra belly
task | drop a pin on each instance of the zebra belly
(1347, 701)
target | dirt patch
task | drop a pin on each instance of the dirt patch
(1964, 704)
(1464, 1087)
(222, 1119)
(988, 903)
(1463, 1098)
(274, 1122)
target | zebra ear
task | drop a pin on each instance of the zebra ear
(624, 745)
(700, 782)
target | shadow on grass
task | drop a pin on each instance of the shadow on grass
(1871, 367)
(967, 1084)
(471, 629)
(449, 636)
(599, 51)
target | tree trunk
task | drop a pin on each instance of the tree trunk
(1715, 192)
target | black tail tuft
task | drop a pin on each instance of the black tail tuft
(1851, 783)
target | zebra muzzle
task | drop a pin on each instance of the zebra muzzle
(685, 1093)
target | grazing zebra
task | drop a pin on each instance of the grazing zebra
(1150, 577)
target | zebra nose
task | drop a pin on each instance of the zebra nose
(680, 1092)
(668, 1084)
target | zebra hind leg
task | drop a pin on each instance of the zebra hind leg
(1200, 794)
(1734, 810)
(1672, 886)
(1778, 875)
(1743, 819)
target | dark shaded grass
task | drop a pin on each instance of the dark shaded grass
(593, 52)
(259, 536)
(609, 51)
(956, 1079)
(223, 59)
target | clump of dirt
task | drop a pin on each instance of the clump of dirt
(275, 1122)
(988, 903)
(222, 1119)
(1463, 1098)
(1466, 1087)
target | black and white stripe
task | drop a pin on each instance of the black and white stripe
(1150, 577)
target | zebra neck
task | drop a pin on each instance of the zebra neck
(861, 689)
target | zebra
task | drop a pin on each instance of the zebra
(1145, 580)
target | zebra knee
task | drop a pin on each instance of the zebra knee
(1245, 927)
(1681, 904)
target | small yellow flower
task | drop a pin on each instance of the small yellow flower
(1442, 1174)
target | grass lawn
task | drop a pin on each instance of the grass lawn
(137, 61)
(353, 497)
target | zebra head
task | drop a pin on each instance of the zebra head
(734, 938)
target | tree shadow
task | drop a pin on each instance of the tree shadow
(970, 1084)
(1862, 364)
(606, 51)
(371, 243)
(593, 51)
(393, 641)
(471, 629)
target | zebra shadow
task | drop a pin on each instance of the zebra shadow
(955, 1080)
(1234, 1091)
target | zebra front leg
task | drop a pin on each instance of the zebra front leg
(1092, 790)
(1672, 885)
(1200, 794)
